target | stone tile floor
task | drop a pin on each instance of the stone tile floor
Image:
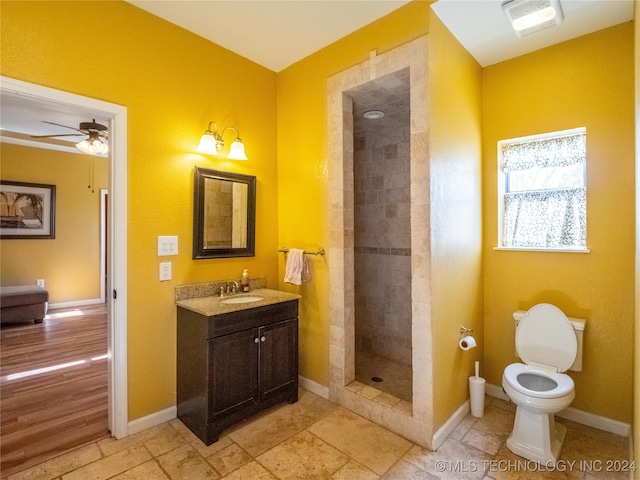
(316, 439)
(396, 379)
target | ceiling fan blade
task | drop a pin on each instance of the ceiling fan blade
(60, 125)
(60, 135)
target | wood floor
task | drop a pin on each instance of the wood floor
(44, 413)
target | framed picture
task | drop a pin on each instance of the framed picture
(27, 210)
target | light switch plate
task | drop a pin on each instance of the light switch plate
(167, 245)
(165, 271)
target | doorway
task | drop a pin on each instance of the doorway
(382, 234)
(32, 94)
(413, 419)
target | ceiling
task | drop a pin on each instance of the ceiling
(390, 94)
(482, 28)
(272, 33)
(21, 118)
(278, 33)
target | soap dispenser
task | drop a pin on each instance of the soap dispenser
(245, 280)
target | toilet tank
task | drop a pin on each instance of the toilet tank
(578, 328)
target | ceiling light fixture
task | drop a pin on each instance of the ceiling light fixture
(92, 146)
(373, 114)
(530, 16)
(212, 143)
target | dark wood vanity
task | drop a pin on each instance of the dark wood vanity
(235, 361)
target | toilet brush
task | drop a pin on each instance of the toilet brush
(476, 393)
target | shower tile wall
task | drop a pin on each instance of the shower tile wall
(383, 241)
(219, 202)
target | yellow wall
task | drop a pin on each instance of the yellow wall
(157, 71)
(636, 365)
(172, 83)
(455, 160)
(455, 80)
(70, 263)
(302, 165)
(583, 82)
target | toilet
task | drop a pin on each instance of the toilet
(549, 343)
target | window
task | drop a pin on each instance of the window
(543, 191)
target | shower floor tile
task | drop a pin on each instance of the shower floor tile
(396, 378)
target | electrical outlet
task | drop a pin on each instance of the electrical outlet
(40, 282)
(165, 271)
(167, 245)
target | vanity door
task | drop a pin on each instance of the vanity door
(278, 357)
(233, 373)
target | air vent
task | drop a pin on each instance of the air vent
(530, 16)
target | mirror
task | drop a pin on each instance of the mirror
(224, 214)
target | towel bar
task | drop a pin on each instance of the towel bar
(319, 252)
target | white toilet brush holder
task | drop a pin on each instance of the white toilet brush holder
(477, 386)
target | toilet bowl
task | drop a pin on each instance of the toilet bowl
(547, 343)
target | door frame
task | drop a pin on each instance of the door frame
(117, 305)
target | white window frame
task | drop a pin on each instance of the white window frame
(502, 188)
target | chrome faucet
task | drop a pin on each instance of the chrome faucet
(230, 288)
(233, 287)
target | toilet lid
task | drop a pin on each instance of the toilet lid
(545, 336)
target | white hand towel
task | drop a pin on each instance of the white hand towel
(297, 269)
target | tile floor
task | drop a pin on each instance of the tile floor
(395, 378)
(316, 439)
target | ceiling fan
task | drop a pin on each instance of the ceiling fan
(94, 144)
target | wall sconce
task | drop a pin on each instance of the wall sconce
(211, 143)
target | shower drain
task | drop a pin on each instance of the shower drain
(376, 379)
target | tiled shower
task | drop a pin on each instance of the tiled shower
(371, 85)
(382, 235)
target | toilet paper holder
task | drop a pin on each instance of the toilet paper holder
(465, 330)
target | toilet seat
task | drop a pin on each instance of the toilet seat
(546, 337)
(564, 383)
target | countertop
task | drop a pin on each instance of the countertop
(210, 306)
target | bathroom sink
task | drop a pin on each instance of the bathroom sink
(243, 299)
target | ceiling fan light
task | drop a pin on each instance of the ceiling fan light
(92, 146)
(236, 151)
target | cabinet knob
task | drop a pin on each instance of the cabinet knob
(263, 338)
(256, 340)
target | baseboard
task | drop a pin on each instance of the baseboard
(450, 425)
(575, 415)
(496, 392)
(596, 421)
(152, 420)
(170, 413)
(313, 387)
(78, 303)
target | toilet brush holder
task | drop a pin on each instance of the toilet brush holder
(476, 392)
(477, 386)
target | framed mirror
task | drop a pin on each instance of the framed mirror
(224, 214)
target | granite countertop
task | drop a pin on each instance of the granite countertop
(212, 305)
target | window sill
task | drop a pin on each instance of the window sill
(555, 250)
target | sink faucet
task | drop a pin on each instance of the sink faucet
(233, 287)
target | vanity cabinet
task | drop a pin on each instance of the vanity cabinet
(234, 365)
